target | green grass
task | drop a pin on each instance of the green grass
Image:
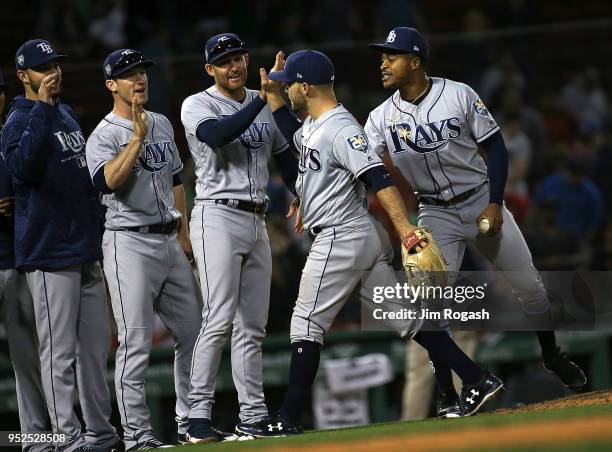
(395, 429)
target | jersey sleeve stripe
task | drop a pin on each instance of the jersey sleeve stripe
(373, 165)
(98, 166)
(177, 170)
(487, 135)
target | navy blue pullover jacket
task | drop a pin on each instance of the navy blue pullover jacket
(56, 205)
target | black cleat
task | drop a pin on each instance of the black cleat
(475, 396)
(268, 427)
(182, 438)
(570, 373)
(200, 431)
(151, 443)
(448, 406)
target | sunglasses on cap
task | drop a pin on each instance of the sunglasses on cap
(224, 47)
(125, 62)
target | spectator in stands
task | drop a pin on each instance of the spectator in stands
(512, 104)
(517, 142)
(585, 97)
(578, 203)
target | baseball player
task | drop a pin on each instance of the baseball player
(432, 129)
(134, 162)
(231, 136)
(18, 312)
(57, 244)
(336, 163)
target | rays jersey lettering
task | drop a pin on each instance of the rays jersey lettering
(154, 156)
(256, 136)
(424, 137)
(434, 144)
(73, 141)
(310, 160)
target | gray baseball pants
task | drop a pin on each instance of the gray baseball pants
(147, 273)
(73, 325)
(232, 251)
(18, 309)
(452, 226)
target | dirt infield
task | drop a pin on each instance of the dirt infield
(591, 398)
(535, 433)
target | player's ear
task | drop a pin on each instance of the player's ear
(111, 85)
(23, 76)
(210, 70)
(246, 59)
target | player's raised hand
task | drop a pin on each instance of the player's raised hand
(139, 118)
(49, 87)
(269, 86)
(493, 213)
(294, 209)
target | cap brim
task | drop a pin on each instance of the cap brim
(280, 76)
(144, 63)
(227, 53)
(49, 60)
(384, 47)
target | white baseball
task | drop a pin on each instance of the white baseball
(483, 225)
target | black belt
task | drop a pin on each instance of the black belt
(162, 228)
(445, 203)
(258, 209)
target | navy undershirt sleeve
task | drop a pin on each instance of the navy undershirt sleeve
(288, 166)
(100, 182)
(176, 180)
(497, 166)
(287, 122)
(376, 178)
(218, 132)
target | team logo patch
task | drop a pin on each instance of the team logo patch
(20, 60)
(391, 37)
(107, 68)
(480, 108)
(358, 142)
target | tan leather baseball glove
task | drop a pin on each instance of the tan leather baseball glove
(424, 267)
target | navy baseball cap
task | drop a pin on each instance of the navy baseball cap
(404, 40)
(121, 61)
(307, 66)
(36, 52)
(222, 45)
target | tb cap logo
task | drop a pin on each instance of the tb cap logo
(44, 47)
(391, 37)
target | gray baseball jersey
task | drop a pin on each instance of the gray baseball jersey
(235, 281)
(237, 170)
(145, 272)
(334, 152)
(435, 147)
(435, 144)
(146, 198)
(350, 247)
